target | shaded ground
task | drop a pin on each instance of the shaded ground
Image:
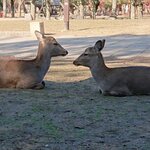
(70, 114)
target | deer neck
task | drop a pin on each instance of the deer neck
(43, 59)
(99, 70)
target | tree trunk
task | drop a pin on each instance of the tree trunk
(81, 11)
(132, 10)
(66, 14)
(4, 8)
(33, 9)
(140, 9)
(114, 4)
(12, 9)
(47, 9)
(20, 3)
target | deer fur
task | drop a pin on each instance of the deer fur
(29, 74)
(121, 81)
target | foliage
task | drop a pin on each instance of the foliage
(76, 2)
(84, 2)
(1, 5)
(108, 4)
(122, 1)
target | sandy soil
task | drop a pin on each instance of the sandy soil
(70, 113)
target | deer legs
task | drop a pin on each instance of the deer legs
(36, 86)
(120, 92)
(39, 86)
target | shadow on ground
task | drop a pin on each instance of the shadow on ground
(118, 46)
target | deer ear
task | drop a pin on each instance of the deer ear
(39, 35)
(99, 45)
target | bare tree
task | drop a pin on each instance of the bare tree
(47, 9)
(132, 13)
(12, 8)
(136, 9)
(114, 4)
(21, 6)
(33, 9)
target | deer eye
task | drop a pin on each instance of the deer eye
(55, 44)
(85, 54)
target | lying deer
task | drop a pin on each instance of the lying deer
(123, 81)
(29, 74)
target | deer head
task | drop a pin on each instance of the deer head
(90, 55)
(50, 45)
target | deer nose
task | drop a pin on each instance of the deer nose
(66, 52)
(75, 63)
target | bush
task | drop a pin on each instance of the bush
(1, 5)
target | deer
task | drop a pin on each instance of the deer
(29, 74)
(118, 81)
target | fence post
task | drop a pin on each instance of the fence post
(66, 14)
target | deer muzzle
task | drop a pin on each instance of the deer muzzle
(76, 63)
(65, 53)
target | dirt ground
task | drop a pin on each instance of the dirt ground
(70, 113)
(85, 27)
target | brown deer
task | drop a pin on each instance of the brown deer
(29, 74)
(121, 81)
